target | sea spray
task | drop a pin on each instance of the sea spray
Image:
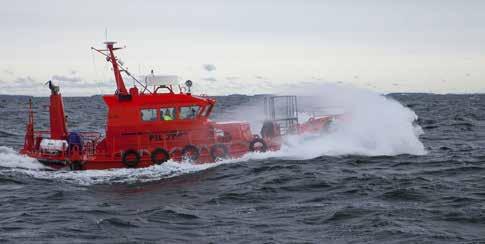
(9, 158)
(372, 124)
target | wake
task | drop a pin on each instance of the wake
(10, 161)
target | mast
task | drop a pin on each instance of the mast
(117, 69)
(120, 84)
(29, 132)
(121, 91)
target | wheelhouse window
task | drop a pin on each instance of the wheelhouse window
(207, 109)
(202, 110)
(167, 114)
(148, 114)
(189, 112)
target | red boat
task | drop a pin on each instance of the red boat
(152, 125)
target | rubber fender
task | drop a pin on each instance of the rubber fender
(252, 145)
(133, 162)
(155, 156)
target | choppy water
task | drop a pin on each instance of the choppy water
(273, 198)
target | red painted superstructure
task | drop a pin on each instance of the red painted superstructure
(146, 128)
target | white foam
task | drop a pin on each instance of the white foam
(373, 125)
(112, 176)
(167, 170)
(12, 161)
(9, 158)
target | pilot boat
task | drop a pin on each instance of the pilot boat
(150, 125)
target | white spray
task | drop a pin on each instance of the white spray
(372, 125)
(9, 158)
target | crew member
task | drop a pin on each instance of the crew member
(167, 116)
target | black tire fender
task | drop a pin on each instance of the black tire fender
(154, 156)
(252, 145)
(195, 152)
(130, 163)
(213, 151)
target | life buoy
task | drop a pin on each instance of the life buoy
(219, 151)
(130, 158)
(159, 156)
(191, 153)
(253, 147)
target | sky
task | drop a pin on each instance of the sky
(245, 47)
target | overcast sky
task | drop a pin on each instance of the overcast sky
(246, 46)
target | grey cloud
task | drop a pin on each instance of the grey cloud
(25, 80)
(308, 83)
(232, 78)
(29, 85)
(21, 82)
(8, 71)
(92, 84)
(267, 83)
(209, 67)
(66, 78)
(106, 83)
(210, 79)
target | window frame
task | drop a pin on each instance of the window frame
(202, 111)
(168, 107)
(208, 110)
(196, 116)
(157, 114)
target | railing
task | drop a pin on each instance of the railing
(146, 141)
(90, 140)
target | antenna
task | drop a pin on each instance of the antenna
(106, 34)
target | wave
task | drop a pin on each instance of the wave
(4, 133)
(12, 161)
(9, 158)
(373, 124)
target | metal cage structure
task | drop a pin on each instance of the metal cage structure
(282, 110)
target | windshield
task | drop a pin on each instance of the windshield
(189, 112)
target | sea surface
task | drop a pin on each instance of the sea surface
(432, 197)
